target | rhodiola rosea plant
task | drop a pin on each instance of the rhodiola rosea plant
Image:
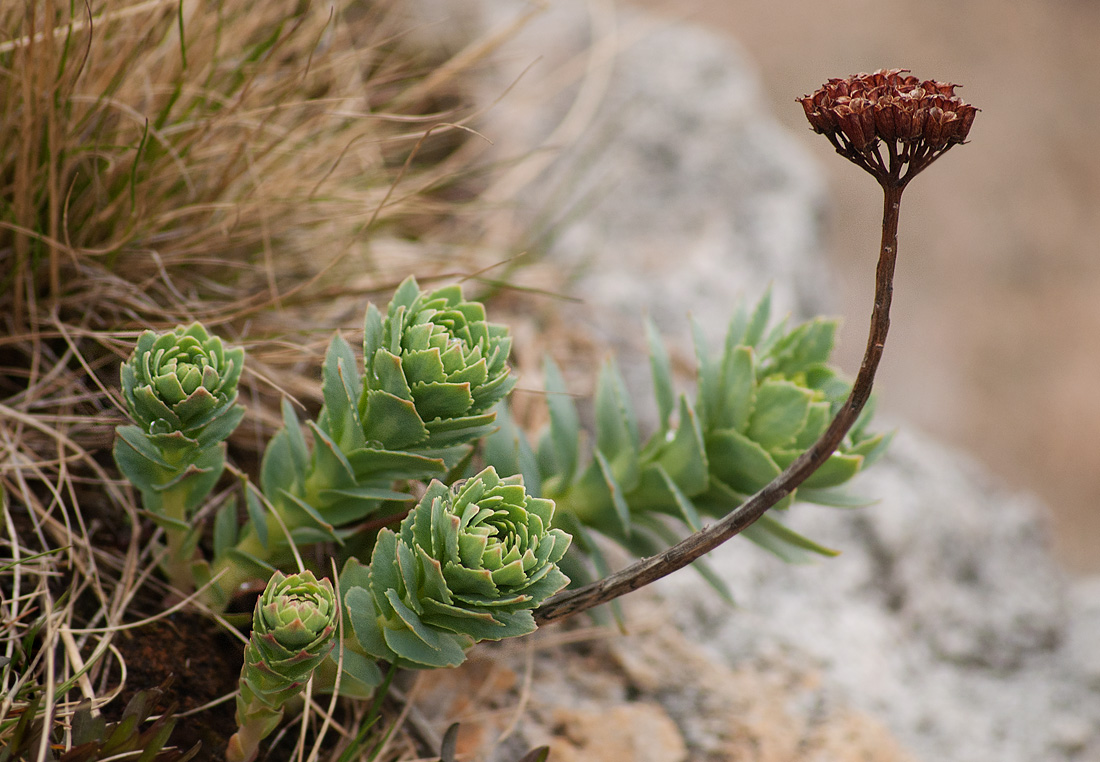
(441, 538)
(442, 524)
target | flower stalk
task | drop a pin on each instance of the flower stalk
(925, 120)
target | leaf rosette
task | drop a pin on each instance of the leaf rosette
(468, 563)
(435, 367)
(183, 382)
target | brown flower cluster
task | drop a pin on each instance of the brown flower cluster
(917, 119)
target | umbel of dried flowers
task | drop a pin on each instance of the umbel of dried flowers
(890, 123)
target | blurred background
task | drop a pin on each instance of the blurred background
(995, 340)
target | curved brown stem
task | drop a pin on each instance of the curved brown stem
(678, 556)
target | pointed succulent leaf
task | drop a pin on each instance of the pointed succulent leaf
(710, 386)
(392, 422)
(740, 462)
(738, 399)
(330, 463)
(684, 505)
(735, 331)
(616, 424)
(758, 323)
(685, 457)
(225, 528)
(622, 511)
(872, 448)
(279, 469)
(807, 345)
(301, 514)
(817, 420)
(509, 452)
(372, 465)
(776, 537)
(257, 515)
(838, 469)
(564, 433)
(662, 374)
(340, 386)
(299, 452)
(833, 497)
(224, 423)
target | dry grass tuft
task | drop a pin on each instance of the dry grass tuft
(162, 154)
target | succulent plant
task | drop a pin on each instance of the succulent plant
(763, 400)
(183, 382)
(293, 630)
(435, 368)
(468, 563)
(180, 389)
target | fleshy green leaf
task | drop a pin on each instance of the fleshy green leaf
(685, 457)
(740, 462)
(279, 470)
(662, 374)
(310, 514)
(707, 373)
(614, 413)
(622, 512)
(225, 528)
(780, 413)
(257, 515)
(738, 401)
(784, 542)
(833, 497)
(340, 386)
(759, 320)
(564, 424)
(393, 422)
(834, 471)
(369, 464)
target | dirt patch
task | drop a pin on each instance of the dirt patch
(204, 664)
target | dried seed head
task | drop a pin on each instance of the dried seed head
(915, 120)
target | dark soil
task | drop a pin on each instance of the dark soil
(204, 664)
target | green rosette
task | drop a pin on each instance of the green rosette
(293, 631)
(180, 390)
(435, 368)
(468, 563)
(183, 382)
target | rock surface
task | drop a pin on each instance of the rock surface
(945, 624)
